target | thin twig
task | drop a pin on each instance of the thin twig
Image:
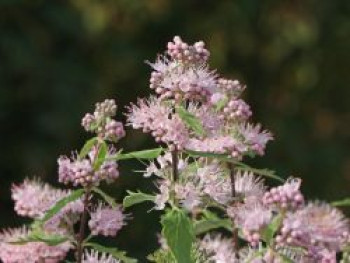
(175, 161)
(83, 221)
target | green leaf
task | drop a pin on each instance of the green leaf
(219, 156)
(145, 154)
(221, 103)
(75, 195)
(40, 236)
(179, 234)
(190, 120)
(205, 225)
(101, 155)
(109, 199)
(271, 229)
(344, 202)
(118, 254)
(87, 147)
(211, 221)
(134, 198)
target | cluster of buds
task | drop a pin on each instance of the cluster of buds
(181, 51)
(230, 87)
(237, 109)
(289, 235)
(82, 172)
(253, 237)
(106, 220)
(184, 73)
(101, 122)
(285, 196)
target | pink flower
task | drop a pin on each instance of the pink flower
(315, 225)
(33, 198)
(96, 257)
(218, 249)
(254, 138)
(251, 217)
(81, 171)
(32, 252)
(106, 221)
(155, 117)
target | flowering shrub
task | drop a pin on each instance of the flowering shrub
(216, 208)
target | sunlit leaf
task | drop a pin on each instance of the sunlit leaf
(179, 234)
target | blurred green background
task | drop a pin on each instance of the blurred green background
(57, 58)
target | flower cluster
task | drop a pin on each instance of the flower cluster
(101, 122)
(195, 109)
(202, 180)
(33, 252)
(106, 220)
(83, 171)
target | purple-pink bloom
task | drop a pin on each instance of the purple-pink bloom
(106, 220)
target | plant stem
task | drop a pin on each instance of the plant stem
(175, 161)
(83, 221)
(231, 167)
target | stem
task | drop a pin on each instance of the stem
(83, 221)
(175, 161)
(231, 167)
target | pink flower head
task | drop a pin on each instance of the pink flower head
(224, 144)
(106, 221)
(81, 171)
(218, 249)
(254, 138)
(33, 198)
(32, 252)
(155, 117)
(315, 225)
(251, 218)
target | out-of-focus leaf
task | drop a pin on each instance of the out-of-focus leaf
(344, 202)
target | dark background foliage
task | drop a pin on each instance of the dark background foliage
(57, 58)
